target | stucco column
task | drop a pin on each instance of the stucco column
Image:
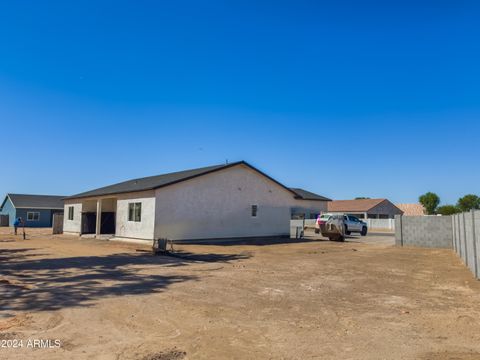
(99, 217)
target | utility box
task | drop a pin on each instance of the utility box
(159, 246)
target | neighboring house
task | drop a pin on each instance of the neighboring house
(365, 208)
(225, 201)
(35, 210)
(412, 209)
(308, 205)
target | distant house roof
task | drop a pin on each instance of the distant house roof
(24, 201)
(412, 209)
(360, 205)
(307, 195)
(159, 181)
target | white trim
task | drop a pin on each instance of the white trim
(135, 208)
(33, 212)
(73, 212)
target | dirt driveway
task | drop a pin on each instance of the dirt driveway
(363, 299)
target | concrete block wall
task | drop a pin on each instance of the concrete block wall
(424, 231)
(460, 232)
(466, 239)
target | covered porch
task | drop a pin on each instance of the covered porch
(99, 217)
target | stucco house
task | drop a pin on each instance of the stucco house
(365, 208)
(225, 201)
(35, 210)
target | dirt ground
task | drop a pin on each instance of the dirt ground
(311, 299)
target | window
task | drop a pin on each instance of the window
(254, 210)
(33, 216)
(135, 212)
(70, 213)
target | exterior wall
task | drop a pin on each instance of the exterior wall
(385, 208)
(424, 231)
(45, 219)
(466, 239)
(136, 230)
(9, 209)
(118, 204)
(218, 205)
(75, 225)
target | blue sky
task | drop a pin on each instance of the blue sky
(344, 98)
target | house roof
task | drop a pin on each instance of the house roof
(360, 205)
(159, 181)
(412, 209)
(307, 195)
(24, 201)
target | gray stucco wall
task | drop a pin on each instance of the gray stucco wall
(424, 231)
(218, 205)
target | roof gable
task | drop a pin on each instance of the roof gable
(159, 181)
(362, 205)
(4, 201)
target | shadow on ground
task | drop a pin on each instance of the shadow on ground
(29, 283)
(249, 241)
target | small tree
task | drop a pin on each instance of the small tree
(447, 210)
(430, 202)
(469, 202)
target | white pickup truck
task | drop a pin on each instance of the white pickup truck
(352, 224)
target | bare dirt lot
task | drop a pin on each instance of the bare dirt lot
(363, 299)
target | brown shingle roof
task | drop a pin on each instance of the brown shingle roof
(412, 209)
(362, 205)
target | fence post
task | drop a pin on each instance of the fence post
(401, 230)
(460, 245)
(453, 234)
(474, 244)
(465, 238)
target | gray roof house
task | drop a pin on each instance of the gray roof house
(310, 206)
(35, 210)
(233, 200)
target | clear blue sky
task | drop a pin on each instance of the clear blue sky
(378, 99)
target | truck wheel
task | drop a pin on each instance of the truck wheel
(364, 231)
(346, 231)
